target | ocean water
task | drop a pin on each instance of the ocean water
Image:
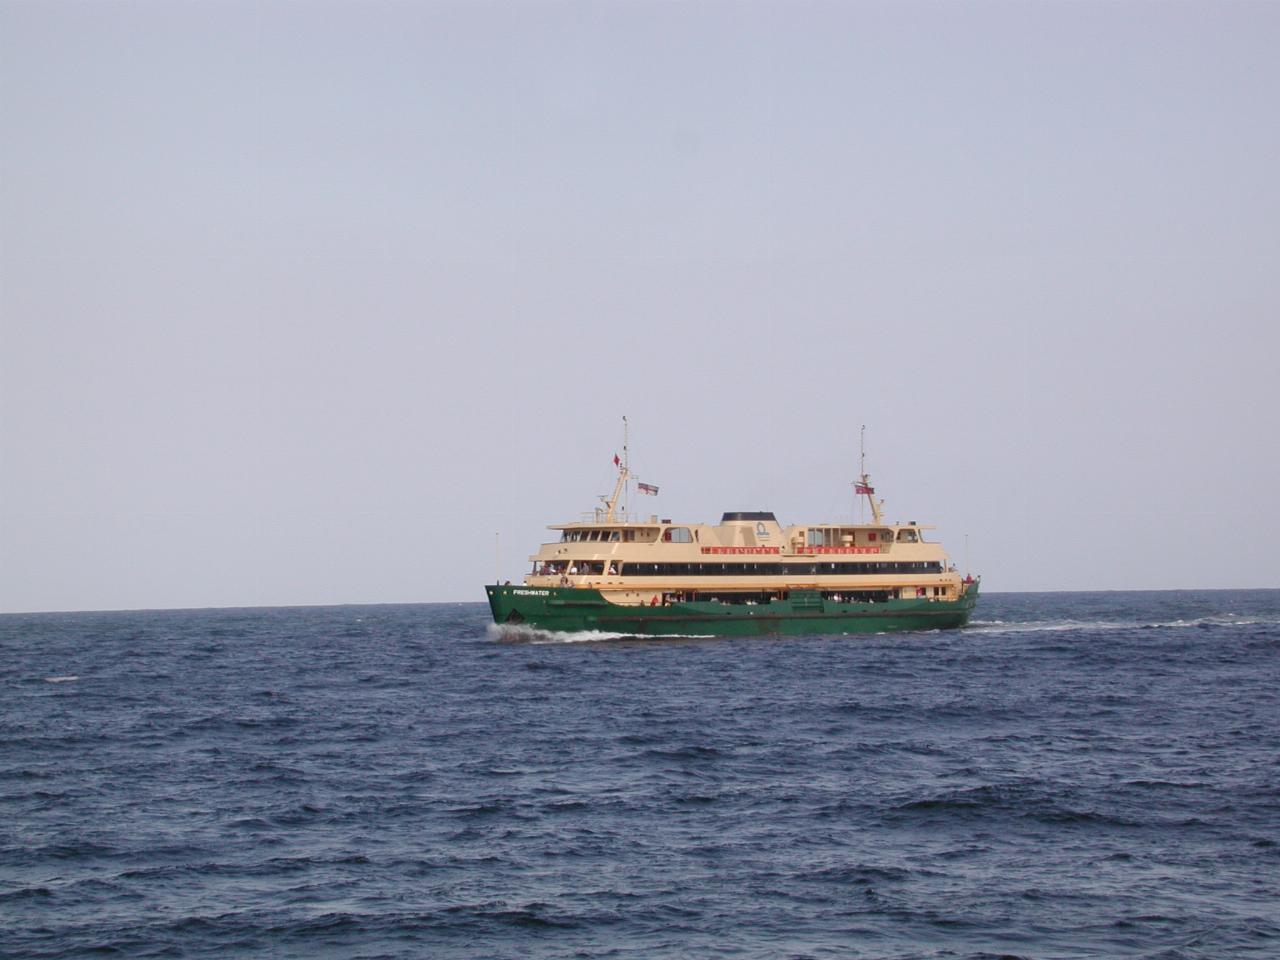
(1073, 775)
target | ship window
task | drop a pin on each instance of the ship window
(906, 536)
(677, 535)
(747, 569)
(823, 538)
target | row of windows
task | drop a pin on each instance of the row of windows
(766, 597)
(845, 536)
(775, 569)
(611, 536)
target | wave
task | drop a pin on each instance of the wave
(510, 633)
(1059, 626)
(859, 874)
(525, 634)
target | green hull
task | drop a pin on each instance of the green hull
(572, 610)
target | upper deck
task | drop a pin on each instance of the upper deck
(739, 532)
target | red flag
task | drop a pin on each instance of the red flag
(648, 488)
(861, 488)
(616, 461)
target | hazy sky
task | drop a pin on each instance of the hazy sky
(305, 302)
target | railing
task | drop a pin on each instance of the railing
(815, 551)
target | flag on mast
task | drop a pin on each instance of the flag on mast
(648, 488)
(616, 461)
(861, 488)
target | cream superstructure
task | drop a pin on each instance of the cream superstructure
(746, 557)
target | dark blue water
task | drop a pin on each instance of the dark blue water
(1076, 775)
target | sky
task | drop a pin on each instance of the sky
(307, 303)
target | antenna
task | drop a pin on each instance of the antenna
(626, 467)
(863, 486)
(497, 559)
(862, 471)
(622, 486)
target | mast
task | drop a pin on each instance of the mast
(862, 470)
(619, 487)
(863, 486)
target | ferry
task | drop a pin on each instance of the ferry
(747, 575)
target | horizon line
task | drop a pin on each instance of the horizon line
(439, 603)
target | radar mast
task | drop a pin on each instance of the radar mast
(620, 487)
(863, 487)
